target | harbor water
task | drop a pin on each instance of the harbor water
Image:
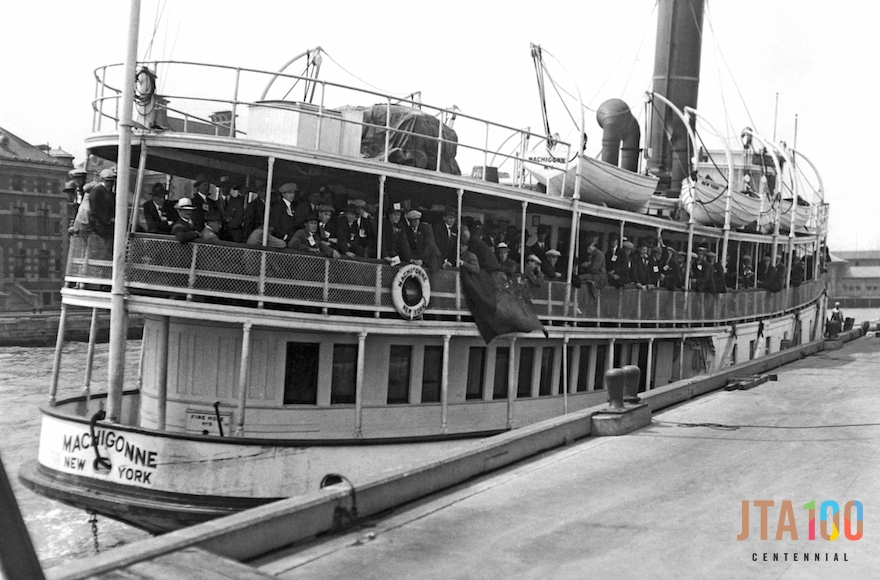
(59, 533)
(62, 533)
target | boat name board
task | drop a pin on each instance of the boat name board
(99, 452)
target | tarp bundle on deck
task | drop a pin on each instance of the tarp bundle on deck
(500, 303)
(413, 139)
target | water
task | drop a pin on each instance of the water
(59, 533)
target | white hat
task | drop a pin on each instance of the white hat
(502, 246)
(556, 253)
(109, 173)
(413, 214)
(184, 203)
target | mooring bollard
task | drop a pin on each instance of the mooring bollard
(631, 376)
(832, 329)
(614, 379)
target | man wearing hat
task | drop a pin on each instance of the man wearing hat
(592, 271)
(307, 207)
(701, 272)
(233, 213)
(78, 177)
(533, 274)
(184, 229)
(718, 285)
(326, 225)
(746, 276)
(253, 222)
(641, 266)
(102, 204)
(159, 213)
(502, 252)
(421, 242)
(446, 237)
(395, 249)
(540, 248)
(308, 239)
(614, 252)
(364, 229)
(205, 208)
(621, 273)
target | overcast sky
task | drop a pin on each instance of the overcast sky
(817, 55)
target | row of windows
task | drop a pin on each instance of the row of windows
(301, 373)
(39, 184)
(859, 288)
(18, 262)
(45, 225)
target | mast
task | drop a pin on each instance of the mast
(676, 77)
(118, 330)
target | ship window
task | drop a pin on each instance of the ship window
(301, 373)
(601, 351)
(398, 374)
(769, 345)
(476, 366)
(432, 374)
(526, 364)
(502, 360)
(344, 382)
(733, 354)
(583, 376)
(751, 349)
(547, 355)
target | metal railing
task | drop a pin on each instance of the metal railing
(476, 136)
(256, 276)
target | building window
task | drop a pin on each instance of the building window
(526, 364)
(41, 185)
(301, 373)
(43, 223)
(17, 183)
(43, 264)
(432, 374)
(547, 356)
(47, 299)
(56, 228)
(475, 373)
(17, 220)
(398, 374)
(19, 264)
(58, 264)
(343, 388)
(502, 360)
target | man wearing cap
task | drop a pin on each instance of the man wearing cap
(421, 242)
(253, 219)
(102, 204)
(614, 252)
(308, 239)
(158, 211)
(549, 269)
(746, 278)
(326, 225)
(307, 207)
(364, 229)
(533, 274)
(446, 237)
(184, 229)
(701, 272)
(348, 240)
(641, 267)
(282, 220)
(718, 285)
(78, 177)
(621, 273)
(395, 249)
(508, 266)
(592, 271)
(670, 270)
(540, 249)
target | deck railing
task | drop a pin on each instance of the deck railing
(254, 276)
(235, 92)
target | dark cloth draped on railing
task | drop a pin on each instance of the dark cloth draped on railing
(500, 303)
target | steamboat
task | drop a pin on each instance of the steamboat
(268, 372)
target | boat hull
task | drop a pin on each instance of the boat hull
(601, 184)
(161, 481)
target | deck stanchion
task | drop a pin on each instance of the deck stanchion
(458, 259)
(59, 345)
(138, 184)
(359, 385)
(444, 385)
(242, 377)
(649, 367)
(609, 360)
(90, 355)
(387, 129)
(522, 239)
(380, 219)
(162, 372)
(511, 381)
(565, 374)
(232, 132)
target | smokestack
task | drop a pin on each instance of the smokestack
(676, 77)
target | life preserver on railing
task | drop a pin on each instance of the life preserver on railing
(411, 291)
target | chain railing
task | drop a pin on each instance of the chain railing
(251, 275)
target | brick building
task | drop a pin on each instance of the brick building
(33, 224)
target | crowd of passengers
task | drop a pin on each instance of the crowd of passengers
(308, 222)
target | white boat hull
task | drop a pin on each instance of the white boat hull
(709, 205)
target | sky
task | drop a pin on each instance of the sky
(814, 54)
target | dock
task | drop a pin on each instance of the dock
(665, 501)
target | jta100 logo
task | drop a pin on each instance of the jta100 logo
(830, 524)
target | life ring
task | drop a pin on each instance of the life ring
(411, 291)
